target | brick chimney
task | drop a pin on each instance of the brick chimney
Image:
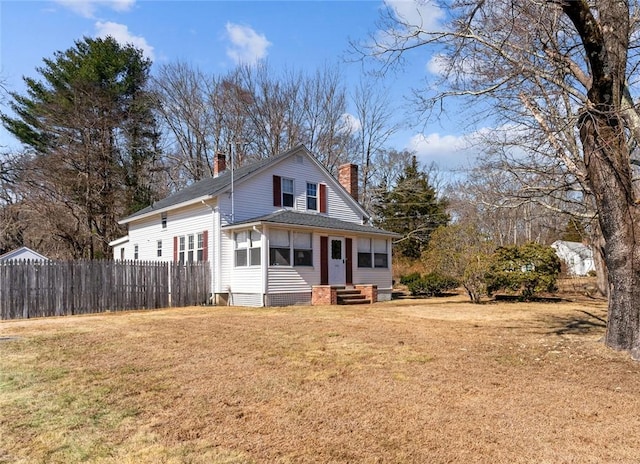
(219, 164)
(348, 178)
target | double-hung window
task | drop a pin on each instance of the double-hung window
(200, 247)
(312, 196)
(159, 249)
(135, 252)
(191, 248)
(287, 192)
(302, 249)
(279, 248)
(380, 255)
(364, 252)
(181, 249)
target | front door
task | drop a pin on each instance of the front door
(337, 267)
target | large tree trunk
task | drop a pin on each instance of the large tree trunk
(605, 156)
(605, 37)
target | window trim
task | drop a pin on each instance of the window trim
(292, 193)
(252, 248)
(315, 197)
(289, 251)
(297, 249)
(368, 259)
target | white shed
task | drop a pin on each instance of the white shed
(23, 253)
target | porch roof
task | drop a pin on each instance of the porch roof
(313, 221)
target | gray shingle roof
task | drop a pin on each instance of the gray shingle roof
(288, 217)
(211, 186)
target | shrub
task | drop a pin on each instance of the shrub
(528, 269)
(432, 284)
(407, 279)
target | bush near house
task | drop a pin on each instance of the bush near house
(527, 269)
(432, 284)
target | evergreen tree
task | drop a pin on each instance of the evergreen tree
(92, 141)
(411, 208)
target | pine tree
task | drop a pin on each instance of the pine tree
(92, 142)
(411, 208)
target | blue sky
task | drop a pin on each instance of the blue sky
(217, 35)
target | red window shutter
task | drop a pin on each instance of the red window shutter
(324, 260)
(205, 245)
(348, 249)
(323, 198)
(175, 249)
(277, 191)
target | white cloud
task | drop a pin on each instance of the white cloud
(437, 64)
(351, 123)
(121, 34)
(447, 151)
(421, 14)
(247, 46)
(87, 8)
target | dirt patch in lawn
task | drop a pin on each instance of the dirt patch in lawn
(437, 381)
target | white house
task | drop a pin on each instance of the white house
(577, 256)
(277, 232)
(22, 254)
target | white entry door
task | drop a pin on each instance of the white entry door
(337, 267)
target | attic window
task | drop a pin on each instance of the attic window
(163, 220)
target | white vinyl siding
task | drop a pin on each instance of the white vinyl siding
(186, 221)
(253, 197)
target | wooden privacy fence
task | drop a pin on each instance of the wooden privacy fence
(60, 288)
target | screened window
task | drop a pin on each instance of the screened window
(287, 192)
(364, 252)
(159, 249)
(279, 248)
(380, 255)
(312, 196)
(302, 249)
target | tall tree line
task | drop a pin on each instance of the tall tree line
(91, 147)
(103, 137)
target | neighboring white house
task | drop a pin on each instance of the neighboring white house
(577, 256)
(23, 253)
(271, 230)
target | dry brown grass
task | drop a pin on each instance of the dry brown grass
(412, 381)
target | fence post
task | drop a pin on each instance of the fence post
(169, 270)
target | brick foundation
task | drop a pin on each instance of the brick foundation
(324, 295)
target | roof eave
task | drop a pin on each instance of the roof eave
(155, 212)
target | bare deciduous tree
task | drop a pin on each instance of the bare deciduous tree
(562, 64)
